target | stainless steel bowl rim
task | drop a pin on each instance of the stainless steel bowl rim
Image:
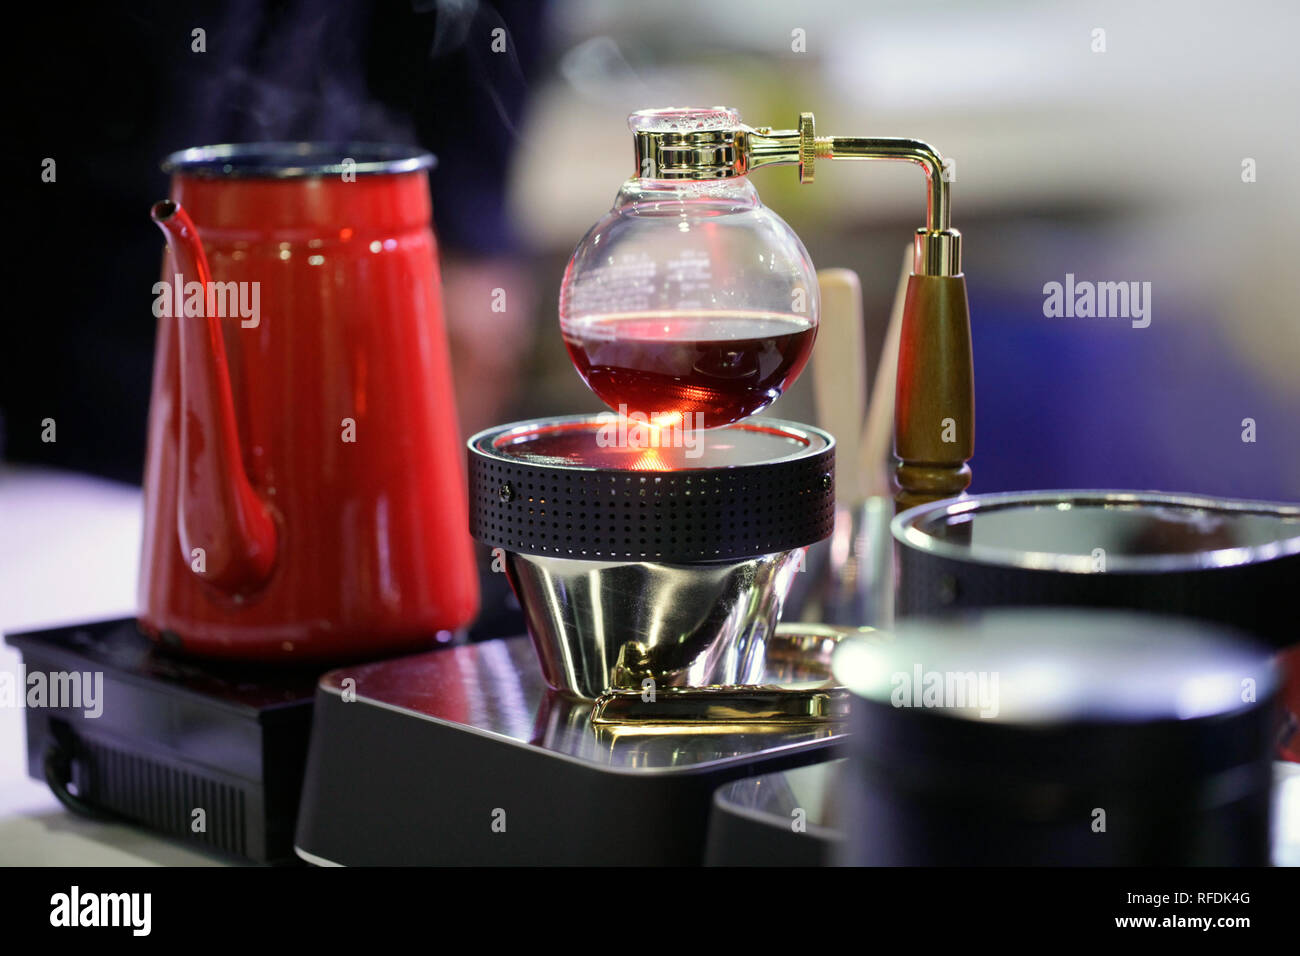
(483, 442)
(906, 530)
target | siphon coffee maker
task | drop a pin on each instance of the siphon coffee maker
(650, 547)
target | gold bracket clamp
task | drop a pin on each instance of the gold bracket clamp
(758, 706)
(934, 412)
(797, 652)
(722, 150)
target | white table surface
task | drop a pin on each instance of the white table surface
(69, 552)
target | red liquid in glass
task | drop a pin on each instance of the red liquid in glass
(721, 365)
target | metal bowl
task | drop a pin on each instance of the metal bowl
(664, 564)
(1224, 560)
(600, 625)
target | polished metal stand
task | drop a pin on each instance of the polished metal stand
(464, 756)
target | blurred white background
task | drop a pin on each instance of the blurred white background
(1122, 165)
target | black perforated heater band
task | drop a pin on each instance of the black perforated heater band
(582, 487)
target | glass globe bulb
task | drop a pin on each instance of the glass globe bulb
(690, 303)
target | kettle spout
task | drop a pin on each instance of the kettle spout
(227, 533)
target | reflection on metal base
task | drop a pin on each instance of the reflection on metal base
(438, 746)
(602, 625)
(798, 653)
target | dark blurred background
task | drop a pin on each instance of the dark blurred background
(122, 87)
(1122, 164)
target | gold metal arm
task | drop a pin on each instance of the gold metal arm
(938, 218)
(722, 153)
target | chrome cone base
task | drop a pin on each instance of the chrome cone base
(655, 575)
(601, 625)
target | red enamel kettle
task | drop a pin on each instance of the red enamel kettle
(304, 492)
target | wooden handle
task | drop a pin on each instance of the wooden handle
(934, 409)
